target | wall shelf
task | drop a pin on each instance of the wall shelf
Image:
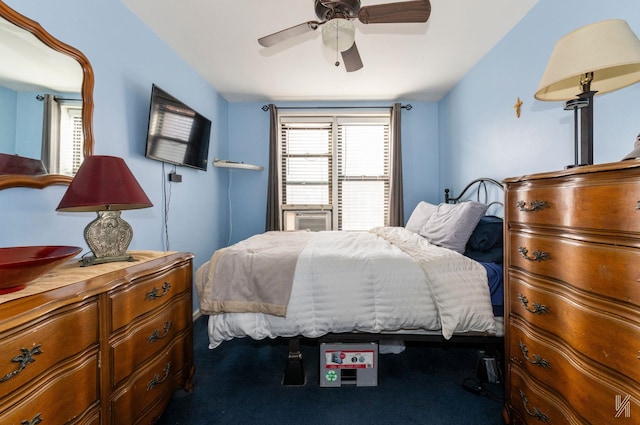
(233, 164)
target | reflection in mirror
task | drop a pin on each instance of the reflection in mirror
(46, 105)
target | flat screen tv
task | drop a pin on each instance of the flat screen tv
(177, 134)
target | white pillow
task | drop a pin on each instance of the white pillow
(451, 225)
(420, 216)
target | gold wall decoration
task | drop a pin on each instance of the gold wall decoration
(517, 107)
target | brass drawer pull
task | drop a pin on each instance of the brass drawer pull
(154, 293)
(535, 206)
(35, 421)
(156, 378)
(24, 359)
(537, 255)
(537, 360)
(537, 308)
(156, 334)
(534, 411)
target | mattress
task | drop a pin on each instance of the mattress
(388, 280)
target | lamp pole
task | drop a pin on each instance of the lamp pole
(586, 120)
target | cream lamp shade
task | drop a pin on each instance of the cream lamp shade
(339, 33)
(609, 49)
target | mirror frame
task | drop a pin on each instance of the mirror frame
(39, 182)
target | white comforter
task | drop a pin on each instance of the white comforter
(385, 280)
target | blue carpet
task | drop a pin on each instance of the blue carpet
(240, 383)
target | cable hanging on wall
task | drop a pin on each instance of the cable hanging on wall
(166, 203)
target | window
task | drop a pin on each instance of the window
(63, 135)
(307, 161)
(71, 138)
(339, 163)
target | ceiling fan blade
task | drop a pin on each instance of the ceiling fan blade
(351, 59)
(399, 12)
(275, 38)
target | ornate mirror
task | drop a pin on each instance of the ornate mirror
(46, 105)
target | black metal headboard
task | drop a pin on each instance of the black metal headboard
(479, 186)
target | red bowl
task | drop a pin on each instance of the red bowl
(20, 265)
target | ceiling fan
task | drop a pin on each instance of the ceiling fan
(338, 31)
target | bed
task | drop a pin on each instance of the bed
(439, 278)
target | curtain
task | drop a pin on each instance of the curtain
(273, 193)
(396, 198)
(51, 134)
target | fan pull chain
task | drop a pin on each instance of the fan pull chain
(337, 61)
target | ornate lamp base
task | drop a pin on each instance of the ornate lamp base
(108, 236)
(90, 260)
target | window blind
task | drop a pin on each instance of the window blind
(71, 138)
(340, 162)
(363, 173)
(306, 163)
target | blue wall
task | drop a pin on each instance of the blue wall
(29, 124)
(8, 106)
(28, 121)
(126, 58)
(479, 131)
(249, 143)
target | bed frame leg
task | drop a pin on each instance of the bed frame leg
(294, 372)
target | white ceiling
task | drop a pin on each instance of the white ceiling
(416, 61)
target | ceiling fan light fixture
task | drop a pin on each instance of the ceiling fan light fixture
(340, 33)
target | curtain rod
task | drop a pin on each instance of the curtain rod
(265, 108)
(41, 98)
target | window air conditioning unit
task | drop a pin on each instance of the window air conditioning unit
(307, 220)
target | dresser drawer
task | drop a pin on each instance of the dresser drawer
(27, 352)
(534, 404)
(562, 370)
(72, 395)
(148, 293)
(600, 269)
(602, 336)
(573, 203)
(151, 385)
(147, 338)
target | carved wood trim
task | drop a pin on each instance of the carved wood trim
(39, 182)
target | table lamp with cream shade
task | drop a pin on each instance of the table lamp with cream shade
(105, 184)
(594, 59)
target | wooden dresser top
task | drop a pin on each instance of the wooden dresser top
(576, 171)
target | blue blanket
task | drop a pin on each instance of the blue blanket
(495, 276)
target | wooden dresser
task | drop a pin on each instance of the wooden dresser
(572, 294)
(105, 344)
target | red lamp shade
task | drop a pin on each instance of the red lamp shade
(103, 183)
